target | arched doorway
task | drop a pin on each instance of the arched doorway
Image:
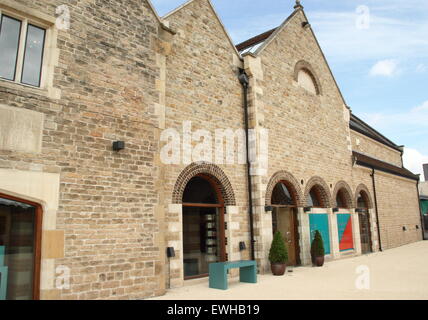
(284, 219)
(364, 220)
(20, 248)
(318, 200)
(204, 240)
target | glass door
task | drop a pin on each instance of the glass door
(202, 243)
(18, 250)
(366, 246)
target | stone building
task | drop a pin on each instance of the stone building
(85, 217)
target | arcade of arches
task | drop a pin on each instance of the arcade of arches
(346, 228)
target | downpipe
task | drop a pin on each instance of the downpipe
(376, 208)
(243, 79)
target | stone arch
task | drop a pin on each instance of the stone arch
(209, 169)
(292, 184)
(366, 194)
(347, 193)
(306, 66)
(323, 189)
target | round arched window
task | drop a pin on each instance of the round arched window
(305, 80)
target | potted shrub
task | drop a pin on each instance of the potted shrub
(317, 250)
(278, 255)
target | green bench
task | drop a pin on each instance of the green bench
(218, 273)
(3, 275)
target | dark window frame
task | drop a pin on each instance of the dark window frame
(25, 53)
(19, 44)
(25, 22)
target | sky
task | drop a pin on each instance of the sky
(377, 50)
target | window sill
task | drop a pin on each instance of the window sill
(45, 92)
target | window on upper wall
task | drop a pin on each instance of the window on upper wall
(306, 81)
(22, 47)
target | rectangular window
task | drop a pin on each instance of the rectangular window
(33, 57)
(22, 48)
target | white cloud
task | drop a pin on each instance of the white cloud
(414, 160)
(387, 68)
(388, 35)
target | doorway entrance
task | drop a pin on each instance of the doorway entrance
(284, 220)
(20, 249)
(364, 219)
(204, 240)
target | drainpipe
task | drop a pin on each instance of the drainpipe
(420, 212)
(243, 79)
(376, 208)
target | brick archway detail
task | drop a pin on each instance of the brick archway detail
(291, 183)
(347, 193)
(366, 194)
(204, 168)
(323, 189)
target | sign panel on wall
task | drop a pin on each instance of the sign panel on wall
(344, 226)
(320, 222)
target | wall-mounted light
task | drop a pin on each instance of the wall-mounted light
(335, 210)
(307, 209)
(268, 209)
(118, 145)
(242, 246)
(170, 252)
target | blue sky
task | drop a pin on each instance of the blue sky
(381, 67)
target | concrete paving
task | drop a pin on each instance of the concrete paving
(400, 273)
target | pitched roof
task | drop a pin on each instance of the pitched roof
(251, 45)
(369, 162)
(360, 126)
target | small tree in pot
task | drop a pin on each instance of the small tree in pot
(278, 255)
(317, 250)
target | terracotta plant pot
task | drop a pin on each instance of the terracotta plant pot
(319, 261)
(278, 269)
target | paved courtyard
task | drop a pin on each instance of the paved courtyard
(400, 273)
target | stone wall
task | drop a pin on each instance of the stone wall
(308, 133)
(374, 149)
(106, 90)
(398, 209)
(203, 88)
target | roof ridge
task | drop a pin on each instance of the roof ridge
(255, 40)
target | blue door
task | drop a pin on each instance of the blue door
(320, 222)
